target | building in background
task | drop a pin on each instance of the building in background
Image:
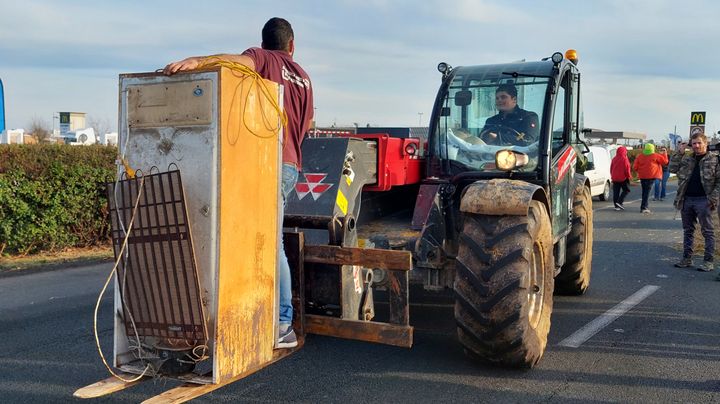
(81, 137)
(12, 136)
(70, 122)
(598, 136)
(109, 139)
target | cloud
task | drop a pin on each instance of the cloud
(645, 63)
(41, 93)
(652, 105)
(79, 34)
(478, 11)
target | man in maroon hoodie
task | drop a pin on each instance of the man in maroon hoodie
(274, 61)
(620, 176)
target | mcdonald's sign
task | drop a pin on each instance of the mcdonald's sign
(697, 118)
(696, 129)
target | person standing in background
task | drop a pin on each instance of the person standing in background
(697, 196)
(620, 176)
(648, 165)
(661, 184)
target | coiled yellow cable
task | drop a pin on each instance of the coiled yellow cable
(240, 70)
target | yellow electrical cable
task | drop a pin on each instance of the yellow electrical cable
(257, 80)
(107, 282)
(129, 170)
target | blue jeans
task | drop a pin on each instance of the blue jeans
(661, 185)
(289, 178)
(695, 208)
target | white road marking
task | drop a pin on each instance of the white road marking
(593, 327)
(436, 305)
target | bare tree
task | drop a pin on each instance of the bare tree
(40, 130)
(101, 126)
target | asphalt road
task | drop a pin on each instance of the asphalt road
(662, 346)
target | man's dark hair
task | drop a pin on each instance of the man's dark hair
(699, 135)
(276, 34)
(508, 88)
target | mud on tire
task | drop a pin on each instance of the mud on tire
(504, 285)
(574, 277)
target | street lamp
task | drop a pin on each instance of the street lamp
(420, 114)
(55, 116)
(315, 120)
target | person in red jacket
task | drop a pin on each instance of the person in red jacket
(648, 165)
(620, 176)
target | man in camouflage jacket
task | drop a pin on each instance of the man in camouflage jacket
(697, 196)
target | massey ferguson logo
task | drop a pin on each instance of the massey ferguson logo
(566, 161)
(313, 186)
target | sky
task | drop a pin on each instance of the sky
(645, 64)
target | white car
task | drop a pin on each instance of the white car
(598, 172)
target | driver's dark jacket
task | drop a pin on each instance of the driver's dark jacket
(519, 119)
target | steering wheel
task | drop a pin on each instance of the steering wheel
(503, 135)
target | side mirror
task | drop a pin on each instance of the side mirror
(463, 98)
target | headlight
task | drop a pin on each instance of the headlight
(507, 160)
(444, 68)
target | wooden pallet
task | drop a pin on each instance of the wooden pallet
(179, 394)
(398, 332)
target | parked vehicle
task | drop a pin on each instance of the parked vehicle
(598, 172)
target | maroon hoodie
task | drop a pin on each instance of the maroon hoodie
(620, 166)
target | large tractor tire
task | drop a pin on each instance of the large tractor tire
(504, 286)
(574, 277)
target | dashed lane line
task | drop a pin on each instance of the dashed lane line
(593, 327)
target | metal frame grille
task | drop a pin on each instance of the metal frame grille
(157, 276)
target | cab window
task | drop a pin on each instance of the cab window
(558, 125)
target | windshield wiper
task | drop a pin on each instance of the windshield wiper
(516, 75)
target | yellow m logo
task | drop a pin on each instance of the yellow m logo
(697, 118)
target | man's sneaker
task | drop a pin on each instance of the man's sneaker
(616, 208)
(287, 339)
(686, 262)
(646, 210)
(706, 266)
(619, 206)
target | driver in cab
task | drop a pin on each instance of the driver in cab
(523, 124)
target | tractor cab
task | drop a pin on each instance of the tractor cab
(518, 121)
(504, 120)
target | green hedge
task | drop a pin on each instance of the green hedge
(53, 197)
